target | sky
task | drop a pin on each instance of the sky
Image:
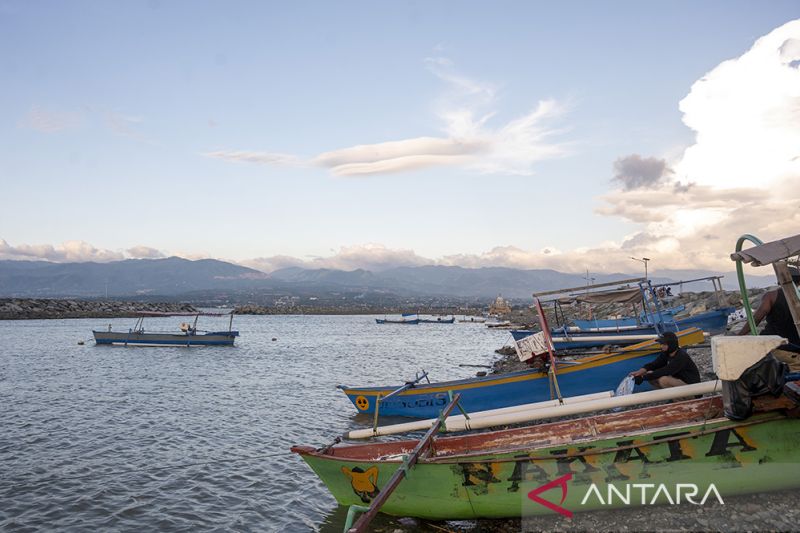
(565, 135)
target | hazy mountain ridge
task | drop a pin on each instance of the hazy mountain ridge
(174, 276)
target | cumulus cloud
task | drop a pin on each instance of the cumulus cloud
(469, 138)
(69, 251)
(636, 172)
(742, 172)
(144, 252)
(371, 256)
(48, 121)
(746, 116)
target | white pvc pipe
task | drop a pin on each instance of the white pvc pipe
(602, 329)
(421, 425)
(568, 409)
(605, 338)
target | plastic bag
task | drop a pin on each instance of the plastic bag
(765, 377)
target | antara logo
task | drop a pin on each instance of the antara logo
(614, 495)
(560, 482)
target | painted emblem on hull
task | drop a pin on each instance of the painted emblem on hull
(364, 483)
(362, 403)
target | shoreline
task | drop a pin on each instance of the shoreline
(54, 309)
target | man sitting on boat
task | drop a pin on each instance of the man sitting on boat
(779, 318)
(672, 368)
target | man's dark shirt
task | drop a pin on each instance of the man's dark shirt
(678, 366)
(780, 321)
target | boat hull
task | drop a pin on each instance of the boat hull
(164, 339)
(592, 374)
(756, 455)
(413, 322)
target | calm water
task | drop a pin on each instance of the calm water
(115, 438)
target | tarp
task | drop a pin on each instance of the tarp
(621, 296)
(770, 252)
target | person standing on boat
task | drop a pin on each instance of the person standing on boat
(779, 318)
(672, 368)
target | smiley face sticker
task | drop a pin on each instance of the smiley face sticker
(362, 403)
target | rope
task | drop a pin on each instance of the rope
(143, 470)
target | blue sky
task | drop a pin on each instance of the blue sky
(257, 132)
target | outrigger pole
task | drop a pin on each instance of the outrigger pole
(408, 463)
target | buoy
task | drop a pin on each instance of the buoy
(274, 338)
(80, 343)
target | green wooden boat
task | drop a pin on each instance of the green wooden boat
(744, 441)
(653, 455)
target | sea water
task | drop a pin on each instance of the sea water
(196, 439)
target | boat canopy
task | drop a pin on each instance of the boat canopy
(621, 296)
(583, 288)
(684, 282)
(770, 252)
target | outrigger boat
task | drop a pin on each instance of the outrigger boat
(712, 322)
(658, 320)
(189, 335)
(591, 374)
(404, 319)
(437, 320)
(742, 442)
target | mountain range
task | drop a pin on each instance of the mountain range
(178, 278)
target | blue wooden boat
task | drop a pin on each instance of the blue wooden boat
(653, 320)
(188, 335)
(668, 314)
(571, 338)
(593, 374)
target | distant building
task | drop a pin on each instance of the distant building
(500, 306)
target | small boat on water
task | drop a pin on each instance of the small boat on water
(438, 320)
(472, 319)
(188, 334)
(411, 319)
(591, 374)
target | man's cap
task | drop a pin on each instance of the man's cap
(667, 337)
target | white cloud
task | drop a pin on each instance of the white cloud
(746, 115)
(368, 256)
(741, 175)
(68, 251)
(244, 156)
(144, 252)
(469, 140)
(48, 121)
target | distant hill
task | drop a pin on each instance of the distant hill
(174, 277)
(170, 276)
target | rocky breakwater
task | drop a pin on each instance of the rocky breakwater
(25, 308)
